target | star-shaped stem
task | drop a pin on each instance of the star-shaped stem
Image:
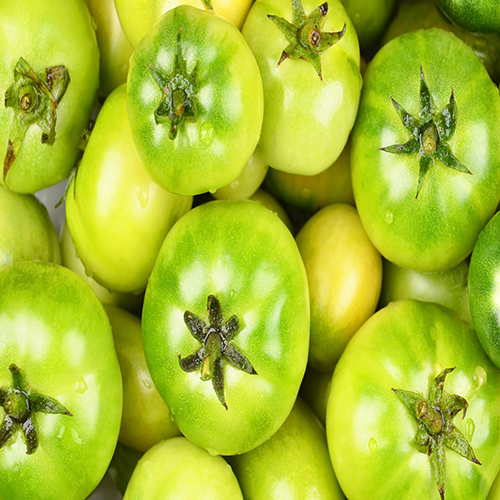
(216, 348)
(34, 97)
(430, 133)
(178, 102)
(306, 40)
(21, 403)
(435, 426)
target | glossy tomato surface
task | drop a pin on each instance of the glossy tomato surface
(56, 332)
(425, 157)
(226, 324)
(378, 446)
(195, 101)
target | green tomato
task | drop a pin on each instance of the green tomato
(117, 216)
(177, 468)
(448, 288)
(130, 301)
(425, 154)
(26, 231)
(474, 16)
(226, 324)
(311, 87)
(248, 181)
(60, 384)
(344, 271)
(195, 101)
(370, 18)
(392, 420)
(114, 48)
(424, 14)
(312, 192)
(137, 16)
(49, 74)
(146, 419)
(293, 464)
(484, 298)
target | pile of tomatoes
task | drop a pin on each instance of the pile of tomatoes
(273, 270)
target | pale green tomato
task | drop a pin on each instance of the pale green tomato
(309, 105)
(178, 469)
(114, 48)
(448, 288)
(344, 271)
(117, 216)
(312, 192)
(129, 301)
(26, 231)
(137, 16)
(294, 464)
(146, 418)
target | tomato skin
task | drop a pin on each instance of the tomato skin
(55, 329)
(137, 16)
(177, 468)
(483, 288)
(477, 17)
(438, 229)
(292, 463)
(307, 120)
(370, 432)
(344, 272)
(26, 231)
(243, 254)
(448, 288)
(117, 216)
(145, 420)
(312, 192)
(34, 30)
(228, 97)
(114, 48)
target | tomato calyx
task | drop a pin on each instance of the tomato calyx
(34, 97)
(216, 350)
(435, 425)
(430, 133)
(306, 40)
(178, 102)
(20, 404)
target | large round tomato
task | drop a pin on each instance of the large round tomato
(195, 101)
(226, 324)
(49, 74)
(425, 154)
(60, 384)
(308, 55)
(414, 408)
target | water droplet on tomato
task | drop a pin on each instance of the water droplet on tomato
(95, 23)
(76, 437)
(372, 445)
(470, 427)
(147, 383)
(60, 434)
(389, 217)
(142, 193)
(81, 385)
(207, 133)
(480, 376)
